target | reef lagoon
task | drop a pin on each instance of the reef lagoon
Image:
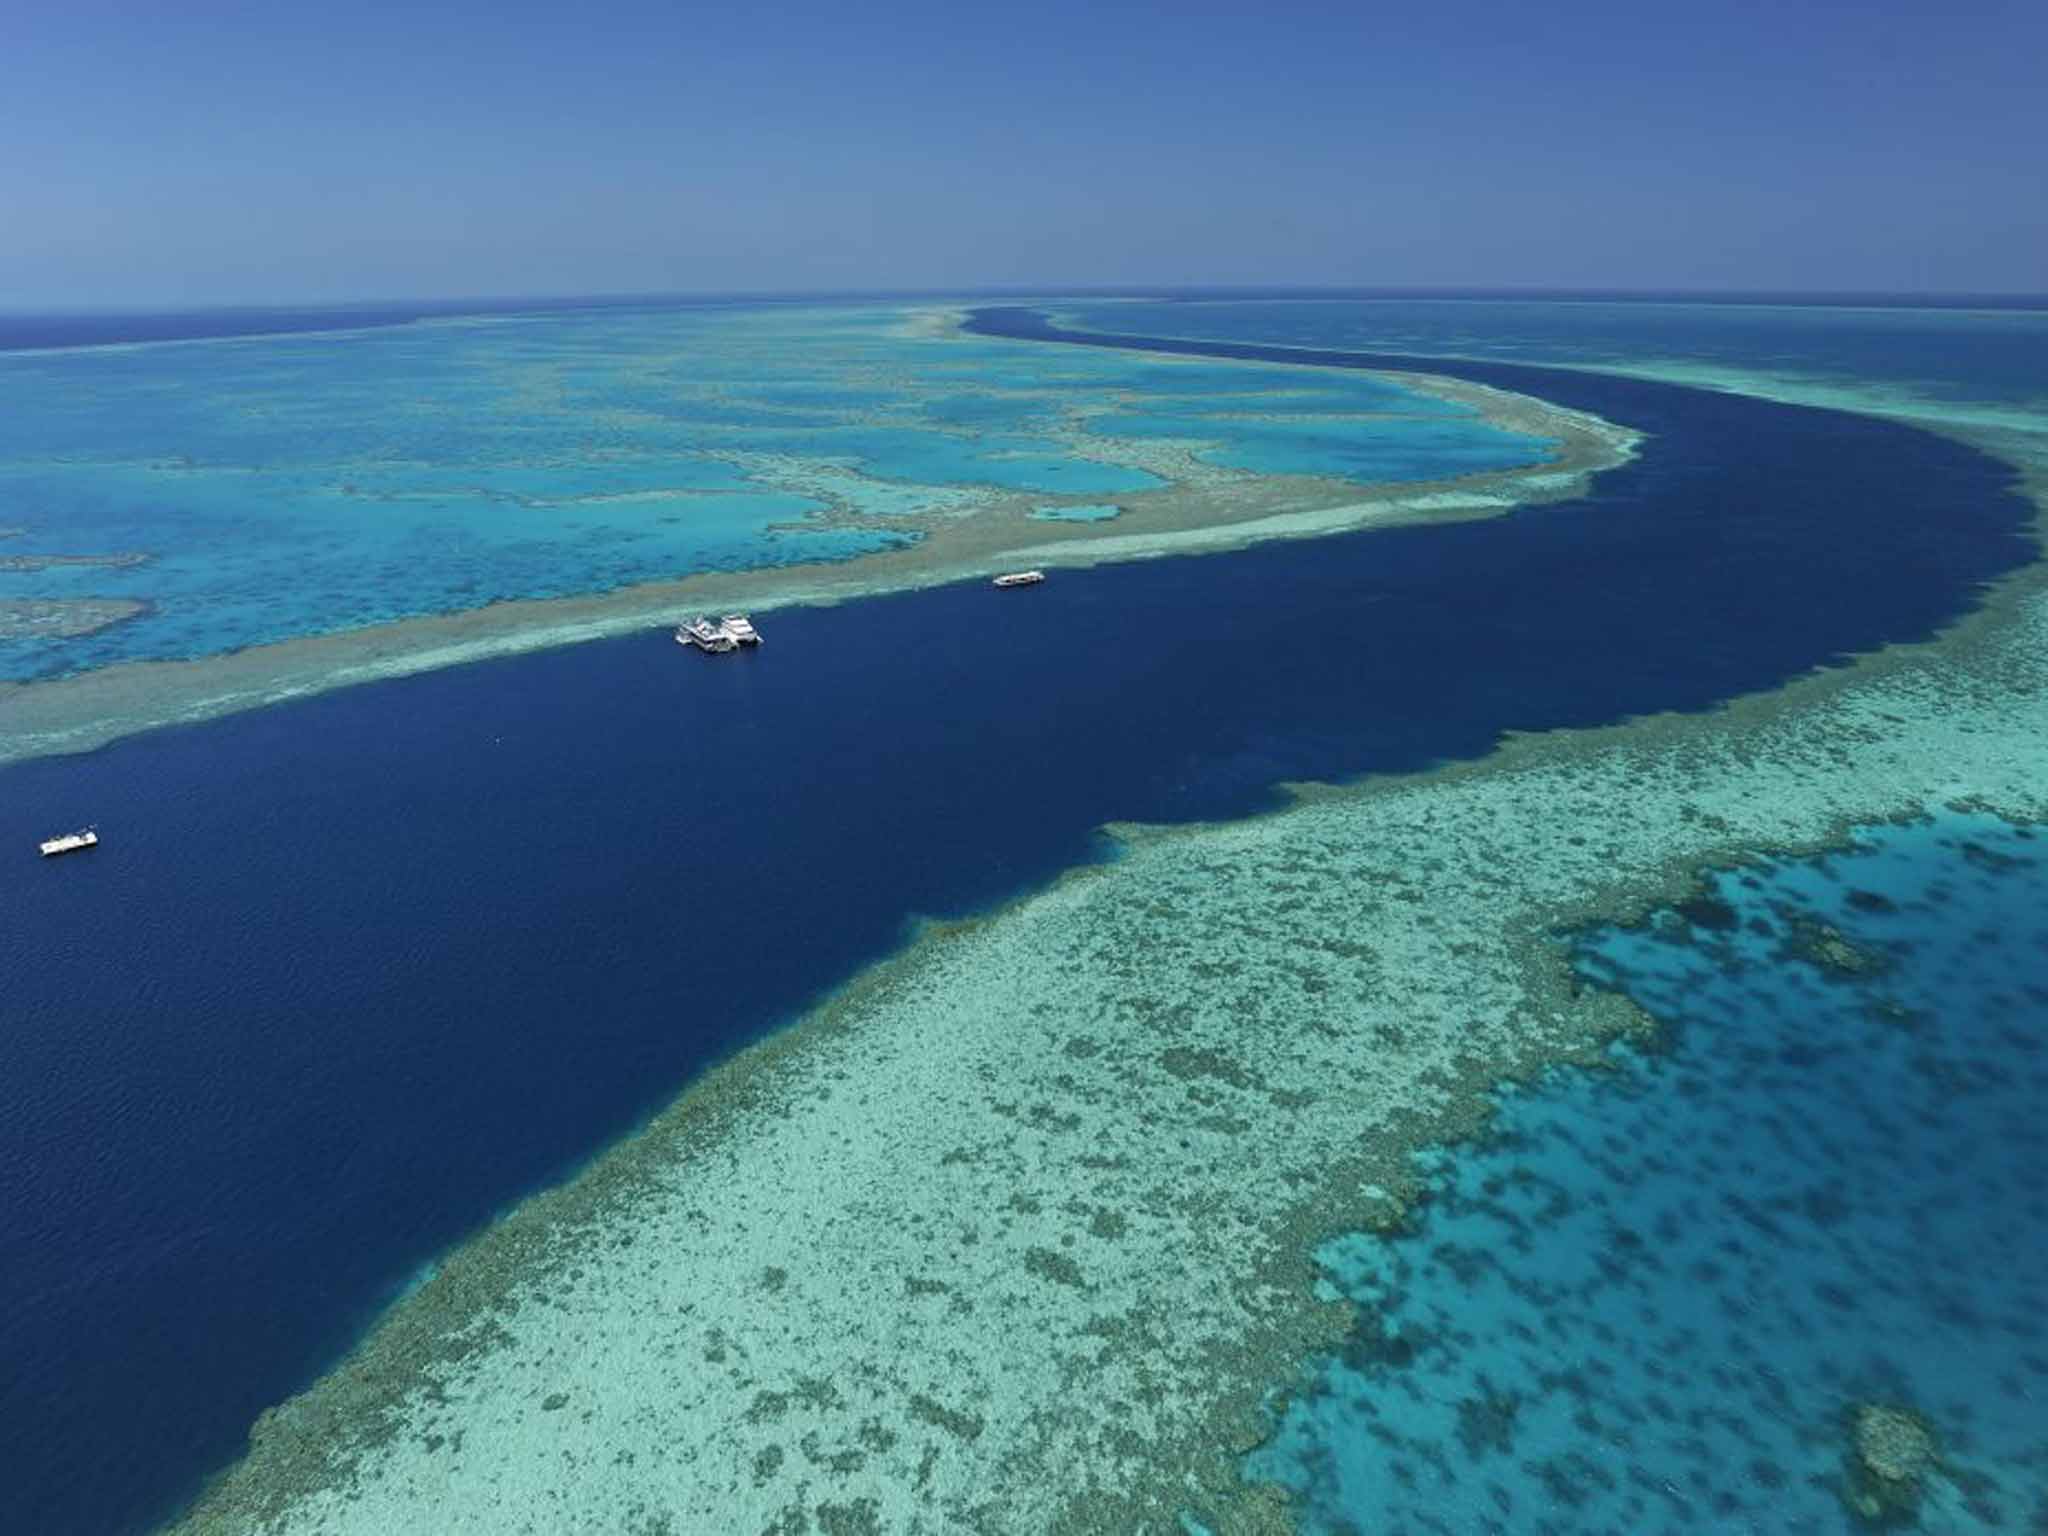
(1070, 1113)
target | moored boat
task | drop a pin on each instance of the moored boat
(1020, 579)
(727, 634)
(705, 635)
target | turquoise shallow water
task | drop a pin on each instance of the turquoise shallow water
(1367, 451)
(1652, 1300)
(924, 457)
(290, 485)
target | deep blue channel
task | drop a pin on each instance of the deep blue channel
(349, 975)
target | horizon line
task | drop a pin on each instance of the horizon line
(1808, 297)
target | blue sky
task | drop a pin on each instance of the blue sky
(198, 152)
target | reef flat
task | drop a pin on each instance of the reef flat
(63, 618)
(1018, 1231)
(1758, 1278)
(915, 456)
(119, 562)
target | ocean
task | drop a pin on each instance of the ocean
(351, 974)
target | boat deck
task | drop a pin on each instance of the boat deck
(726, 634)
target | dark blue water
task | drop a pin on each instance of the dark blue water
(1989, 353)
(349, 975)
(1981, 357)
(1655, 1300)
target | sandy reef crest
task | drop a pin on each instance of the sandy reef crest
(1015, 1234)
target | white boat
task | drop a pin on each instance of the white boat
(70, 842)
(705, 635)
(1020, 579)
(728, 634)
